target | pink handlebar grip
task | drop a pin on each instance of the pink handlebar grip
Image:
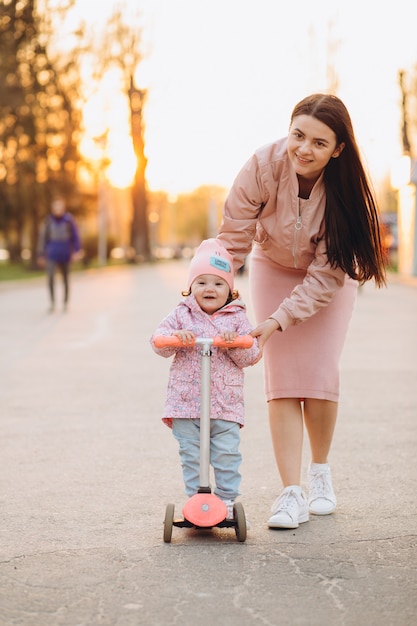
(164, 341)
(242, 341)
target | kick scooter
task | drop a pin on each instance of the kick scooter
(204, 509)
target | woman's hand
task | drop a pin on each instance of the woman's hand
(76, 256)
(263, 332)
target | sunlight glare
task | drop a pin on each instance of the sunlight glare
(208, 107)
(107, 140)
(122, 160)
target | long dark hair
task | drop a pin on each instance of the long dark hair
(353, 234)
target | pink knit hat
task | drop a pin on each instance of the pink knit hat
(212, 258)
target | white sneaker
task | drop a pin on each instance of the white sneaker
(321, 498)
(289, 510)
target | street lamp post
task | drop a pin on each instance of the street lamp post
(101, 142)
(403, 180)
(102, 221)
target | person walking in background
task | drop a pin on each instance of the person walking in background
(306, 205)
(211, 307)
(59, 245)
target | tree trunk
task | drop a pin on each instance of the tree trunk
(139, 230)
(404, 127)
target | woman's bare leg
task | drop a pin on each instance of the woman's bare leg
(320, 420)
(286, 426)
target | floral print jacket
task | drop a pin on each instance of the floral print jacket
(226, 391)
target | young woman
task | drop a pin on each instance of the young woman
(305, 209)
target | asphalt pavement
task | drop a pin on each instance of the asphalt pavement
(87, 468)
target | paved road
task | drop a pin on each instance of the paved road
(87, 469)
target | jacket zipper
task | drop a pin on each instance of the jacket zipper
(297, 226)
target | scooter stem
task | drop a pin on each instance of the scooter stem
(205, 413)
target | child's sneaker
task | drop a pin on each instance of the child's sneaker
(229, 504)
(321, 498)
(290, 509)
(230, 514)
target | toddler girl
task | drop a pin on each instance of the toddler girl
(211, 307)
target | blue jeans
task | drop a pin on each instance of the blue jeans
(225, 457)
(63, 267)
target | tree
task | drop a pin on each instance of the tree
(406, 144)
(38, 126)
(123, 45)
(198, 214)
(139, 232)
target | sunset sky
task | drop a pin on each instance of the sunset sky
(223, 77)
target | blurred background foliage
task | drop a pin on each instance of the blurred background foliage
(46, 84)
(44, 89)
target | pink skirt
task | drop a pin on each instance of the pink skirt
(303, 361)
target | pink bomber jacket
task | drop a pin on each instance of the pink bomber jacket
(227, 394)
(262, 209)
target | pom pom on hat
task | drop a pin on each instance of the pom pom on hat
(212, 258)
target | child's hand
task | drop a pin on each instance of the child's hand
(186, 336)
(229, 335)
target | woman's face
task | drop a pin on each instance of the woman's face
(311, 145)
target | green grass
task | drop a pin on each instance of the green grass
(19, 271)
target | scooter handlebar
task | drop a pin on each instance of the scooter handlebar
(164, 341)
(242, 341)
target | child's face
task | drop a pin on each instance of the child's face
(58, 207)
(211, 292)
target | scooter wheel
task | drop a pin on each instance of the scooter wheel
(168, 522)
(240, 519)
